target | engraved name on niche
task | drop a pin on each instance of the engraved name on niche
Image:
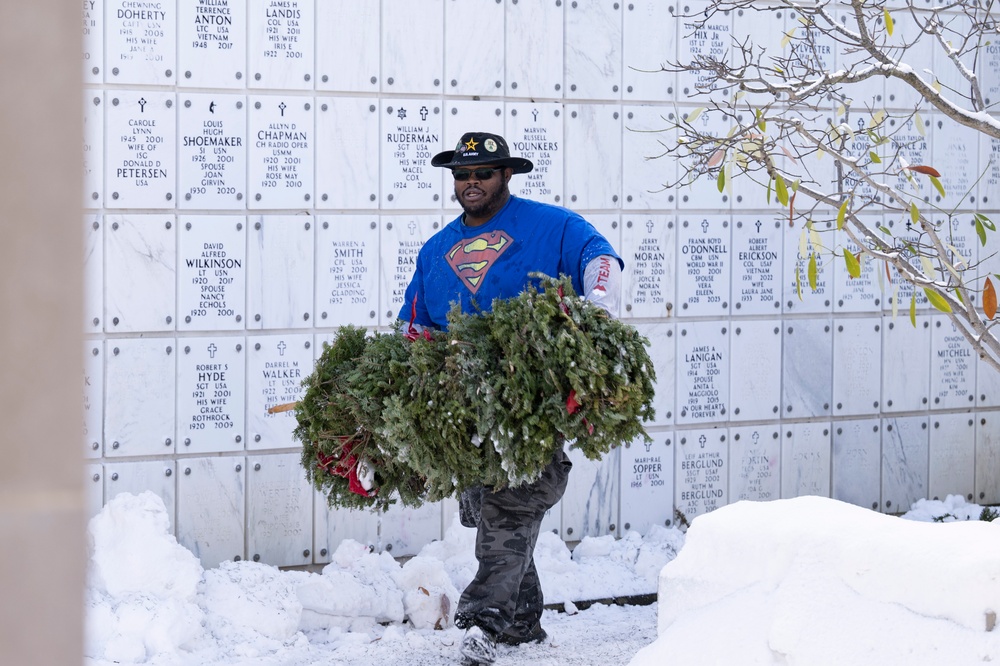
(706, 396)
(647, 470)
(283, 37)
(141, 41)
(755, 288)
(282, 380)
(347, 284)
(281, 165)
(211, 379)
(411, 134)
(538, 142)
(212, 151)
(141, 156)
(700, 37)
(705, 260)
(702, 474)
(213, 21)
(649, 269)
(212, 277)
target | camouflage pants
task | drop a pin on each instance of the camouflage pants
(505, 596)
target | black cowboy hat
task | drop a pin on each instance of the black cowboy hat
(481, 148)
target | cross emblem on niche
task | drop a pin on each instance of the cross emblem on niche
(282, 108)
(212, 349)
(281, 348)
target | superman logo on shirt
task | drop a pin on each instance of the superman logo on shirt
(472, 258)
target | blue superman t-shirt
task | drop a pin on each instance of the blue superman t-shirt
(475, 265)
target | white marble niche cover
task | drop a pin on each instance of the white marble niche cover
(593, 155)
(140, 165)
(211, 399)
(663, 353)
(857, 364)
(703, 371)
(807, 368)
(534, 131)
(534, 66)
(347, 166)
(141, 264)
(805, 459)
(593, 43)
(864, 292)
(802, 244)
(648, 247)
(704, 265)
(282, 44)
(405, 530)
(212, 151)
(333, 525)
(280, 254)
(754, 463)
(413, 46)
(140, 43)
(211, 272)
(905, 442)
(279, 510)
(347, 270)
(649, 39)
(401, 237)
(698, 187)
(857, 462)
(211, 508)
(647, 483)
(410, 137)
(906, 352)
(139, 396)
(954, 151)
(590, 503)
(757, 265)
(347, 57)
(648, 173)
(953, 366)
(755, 370)
(212, 43)
(701, 34)
(701, 468)
(276, 366)
(281, 152)
(952, 456)
(474, 26)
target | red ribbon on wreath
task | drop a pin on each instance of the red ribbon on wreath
(411, 330)
(344, 466)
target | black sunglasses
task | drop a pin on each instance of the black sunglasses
(480, 174)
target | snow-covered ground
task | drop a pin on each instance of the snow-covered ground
(805, 581)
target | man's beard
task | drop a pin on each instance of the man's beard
(488, 207)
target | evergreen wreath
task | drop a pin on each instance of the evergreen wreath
(419, 418)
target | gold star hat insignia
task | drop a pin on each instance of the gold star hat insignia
(471, 144)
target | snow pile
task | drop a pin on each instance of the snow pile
(816, 581)
(142, 597)
(150, 601)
